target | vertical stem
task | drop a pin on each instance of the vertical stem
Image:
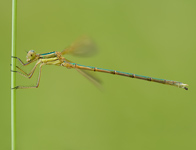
(13, 77)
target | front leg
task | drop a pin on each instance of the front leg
(28, 75)
(28, 87)
(24, 64)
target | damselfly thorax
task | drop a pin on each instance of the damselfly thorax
(80, 47)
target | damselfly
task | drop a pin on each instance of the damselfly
(80, 47)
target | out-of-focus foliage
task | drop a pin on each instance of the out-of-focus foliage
(67, 112)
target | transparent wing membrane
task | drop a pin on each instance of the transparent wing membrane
(84, 46)
(90, 77)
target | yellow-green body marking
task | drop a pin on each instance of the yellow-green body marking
(55, 58)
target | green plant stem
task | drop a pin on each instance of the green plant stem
(13, 77)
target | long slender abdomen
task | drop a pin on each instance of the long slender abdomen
(163, 81)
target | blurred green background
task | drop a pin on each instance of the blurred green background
(154, 38)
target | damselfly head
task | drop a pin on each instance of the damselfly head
(31, 55)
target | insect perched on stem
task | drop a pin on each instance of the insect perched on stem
(81, 47)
